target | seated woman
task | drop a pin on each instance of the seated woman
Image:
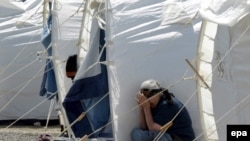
(158, 107)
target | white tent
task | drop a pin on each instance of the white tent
(66, 24)
(145, 45)
(143, 41)
(223, 61)
(21, 70)
(151, 39)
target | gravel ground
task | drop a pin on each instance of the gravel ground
(27, 133)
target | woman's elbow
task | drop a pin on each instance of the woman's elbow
(154, 127)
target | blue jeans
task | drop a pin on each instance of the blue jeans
(144, 135)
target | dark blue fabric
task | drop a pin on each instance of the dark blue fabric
(86, 92)
(182, 125)
(48, 85)
(80, 128)
(139, 134)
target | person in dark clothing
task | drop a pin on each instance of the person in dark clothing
(71, 66)
(158, 107)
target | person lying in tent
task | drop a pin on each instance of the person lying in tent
(71, 66)
(157, 108)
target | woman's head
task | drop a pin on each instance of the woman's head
(150, 88)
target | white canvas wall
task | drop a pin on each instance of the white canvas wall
(229, 76)
(20, 32)
(141, 46)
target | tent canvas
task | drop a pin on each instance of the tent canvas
(66, 23)
(223, 61)
(143, 40)
(141, 45)
(141, 48)
(20, 68)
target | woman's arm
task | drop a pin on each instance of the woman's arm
(149, 119)
(143, 124)
(146, 118)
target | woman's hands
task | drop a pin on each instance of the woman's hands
(142, 100)
(146, 119)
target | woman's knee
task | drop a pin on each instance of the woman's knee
(136, 134)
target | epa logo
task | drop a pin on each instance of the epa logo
(238, 132)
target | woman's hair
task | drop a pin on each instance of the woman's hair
(167, 95)
(71, 64)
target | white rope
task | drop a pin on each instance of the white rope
(35, 76)
(133, 108)
(22, 50)
(29, 111)
(218, 63)
(83, 1)
(137, 105)
(52, 102)
(88, 69)
(9, 76)
(161, 133)
(226, 114)
(122, 116)
(22, 88)
(21, 85)
(76, 120)
(10, 64)
(15, 58)
(230, 49)
(85, 26)
(26, 84)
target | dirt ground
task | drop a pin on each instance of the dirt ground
(27, 133)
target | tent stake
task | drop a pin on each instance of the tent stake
(84, 138)
(79, 118)
(166, 126)
(199, 76)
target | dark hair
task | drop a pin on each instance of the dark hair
(167, 95)
(71, 64)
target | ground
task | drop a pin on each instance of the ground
(27, 133)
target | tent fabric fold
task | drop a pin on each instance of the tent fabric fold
(226, 12)
(87, 91)
(48, 86)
